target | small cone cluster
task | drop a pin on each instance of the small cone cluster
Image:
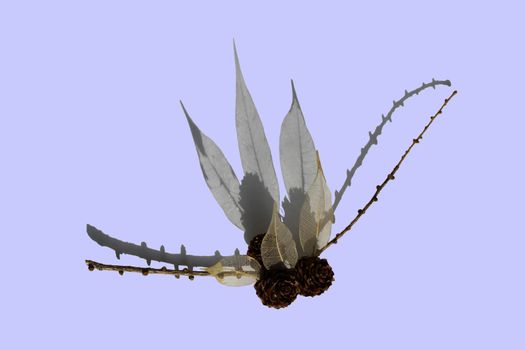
(278, 288)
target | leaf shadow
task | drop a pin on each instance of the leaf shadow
(257, 205)
(292, 214)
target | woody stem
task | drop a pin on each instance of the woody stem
(389, 177)
(92, 265)
(372, 140)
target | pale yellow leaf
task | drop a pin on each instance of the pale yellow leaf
(315, 220)
(236, 270)
(278, 246)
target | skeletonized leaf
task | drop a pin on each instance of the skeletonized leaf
(253, 146)
(278, 245)
(298, 156)
(235, 271)
(315, 222)
(218, 173)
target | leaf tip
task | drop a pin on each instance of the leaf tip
(318, 159)
(236, 57)
(184, 109)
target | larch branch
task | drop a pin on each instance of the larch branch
(388, 178)
(372, 140)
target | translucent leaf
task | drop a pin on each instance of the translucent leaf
(315, 222)
(235, 271)
(278, 246)
(218, 173)
(253, 146)
(297, 150)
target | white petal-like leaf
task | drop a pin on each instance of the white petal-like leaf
(218, 173)
(298, 155)
(278, 246)
(255, 153)
(315, 222)
(236, 270)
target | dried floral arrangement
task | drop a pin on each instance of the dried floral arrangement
(283, 255)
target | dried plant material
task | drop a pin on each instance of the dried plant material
(373, 136)
(218, 173)
(389, 177)
(272, 259)
(313, 275)
(255, 152)
(278, 246)
(254, 248)
(297, 150)
(235, 271)
(277, 288)
(315, 222)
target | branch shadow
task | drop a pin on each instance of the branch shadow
(372, 137)
(256, 203)
(149, 254)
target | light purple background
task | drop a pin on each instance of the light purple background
(91, 132)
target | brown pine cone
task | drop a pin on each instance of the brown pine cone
(314, 275)
(277, 288)
(254, 248)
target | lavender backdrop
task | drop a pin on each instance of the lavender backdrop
(91, 132)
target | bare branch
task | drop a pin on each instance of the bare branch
(92, 265)
(389, 177)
